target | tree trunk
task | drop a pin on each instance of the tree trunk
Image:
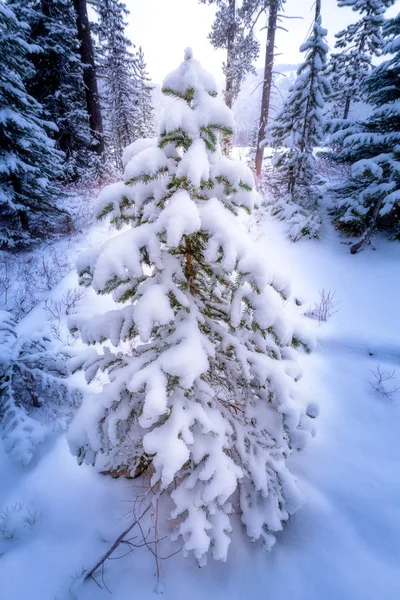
(370, 230)
(267, 83)
(89, 75)
(347, 107)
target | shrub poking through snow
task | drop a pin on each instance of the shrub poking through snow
(202, 382)
(34, 397)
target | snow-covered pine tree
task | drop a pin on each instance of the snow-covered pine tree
(35, 399)
(57, 83)
(230, 33)
(296, 131)
(144, 123)
(118, 70)
(370, 199)
(356, 46)
(202, 381)
(29, 162)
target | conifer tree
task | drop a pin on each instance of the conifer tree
(29, 163)
(35, 399)
(144, 123)
(118, 69)
(298, 129)
(230, 33)
(57, 83)
(202, 380)
(356, 46)
(370, 199)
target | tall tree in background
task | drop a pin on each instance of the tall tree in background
(370, 199)
(119, 71)
(299, 125)
(145, 111)
(356, 46)
(89, 76)
(230, 33)
(29, 162)
(252, 10)
(57, 82)
(298, 129)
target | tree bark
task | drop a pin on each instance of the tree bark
(370, 229)
(267, 82)
(89, 76)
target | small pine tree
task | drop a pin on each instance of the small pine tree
(298, 129)
(356, 46)
(370, 199)
(118, 69)
(201, 385)
(57, 81)
(29, 163)
(144, 123)
(34, 397)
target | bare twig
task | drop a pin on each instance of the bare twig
(325, 308)
(115, 545)
(381, 379)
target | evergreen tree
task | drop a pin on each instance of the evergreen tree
(29, 163)
(370, 199)
(230, 33)
(118, 69)
(57, 82)
(356, 45)
(144, 123)
(34, 397)
(298, 129)
(202, 381)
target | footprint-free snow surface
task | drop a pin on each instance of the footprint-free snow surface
(344, 544)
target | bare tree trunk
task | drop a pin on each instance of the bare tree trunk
(89, 75)
(267, 82)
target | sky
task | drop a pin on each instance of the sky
(164, 28)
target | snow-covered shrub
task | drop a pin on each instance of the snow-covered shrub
(35, 399)
(300, 221)
(202, 383)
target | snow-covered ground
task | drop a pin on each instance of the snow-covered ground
(58, 518)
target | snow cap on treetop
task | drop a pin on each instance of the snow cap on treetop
(190, 75)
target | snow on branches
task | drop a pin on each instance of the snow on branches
(35, 400)
(295, 133)
(370, 198)
(202, 376)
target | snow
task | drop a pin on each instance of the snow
(189, 75)
(343, 542)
